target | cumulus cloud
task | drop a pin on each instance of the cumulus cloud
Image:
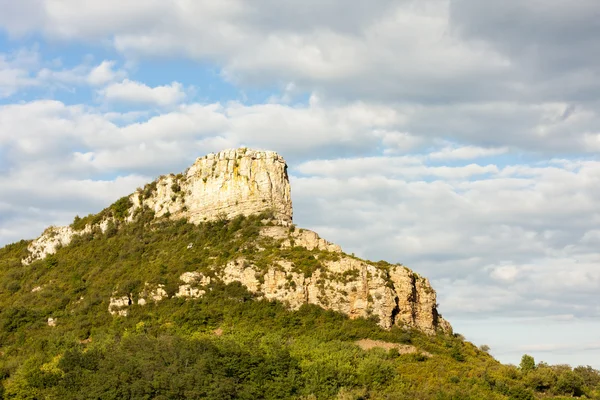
(507, 273)
(453, 51)
(104, 73)
(15, 71)
(24, 69)
(466, 152)
(131, 92)
(254, 47)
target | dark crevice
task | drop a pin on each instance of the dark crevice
(436, 317)
(395, 311)
(413, 298)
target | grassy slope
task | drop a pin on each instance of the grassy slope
(170, 350)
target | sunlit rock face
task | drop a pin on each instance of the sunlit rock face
(348, 285)
(223, 185)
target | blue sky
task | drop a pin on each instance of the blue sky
(460, 138)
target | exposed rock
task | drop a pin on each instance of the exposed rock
(194, 277)
(223, 185)
(54, 238)
(299, 237)
(51, 240)
(189, 291)
(350, 286)
(156, 294)
(159, 293)
(119, 305)
(368, 344)
(192, 280)
(36, 289)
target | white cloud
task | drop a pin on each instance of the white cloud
(466, 152)
(320, 51)
(524, 233)
(507, 273)
(23, 69)
(15, 71)
(131, 92)
(104, 73)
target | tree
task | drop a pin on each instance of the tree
(542, 379)
(520, 393)
(569, 383)
(527, 363)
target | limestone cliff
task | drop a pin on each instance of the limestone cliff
(225, 184)
(245, 182)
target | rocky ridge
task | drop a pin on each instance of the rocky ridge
(246, 182)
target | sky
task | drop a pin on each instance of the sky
(458, 137)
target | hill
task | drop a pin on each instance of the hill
(194, 287)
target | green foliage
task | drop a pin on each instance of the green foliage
(171, 349)
(527, 363)
(541, 379)
(51, 261)
(120, 207)
(149, 189)
(569, 383)
(521, 393)
(117, 210)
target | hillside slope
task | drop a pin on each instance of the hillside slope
(139, 302)
(242, 182)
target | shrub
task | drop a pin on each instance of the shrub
(527, 363)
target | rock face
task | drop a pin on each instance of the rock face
(118, 305)
(223, 185)
(353, 287)
(245, 182)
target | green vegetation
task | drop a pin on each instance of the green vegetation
(117, 210)
(227, 344)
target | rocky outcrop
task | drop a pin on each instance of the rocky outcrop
(152, 294)
(191, 282)
(54, 238)
(118, 305)
(299, 237)
(222, 185)
(395, 296)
